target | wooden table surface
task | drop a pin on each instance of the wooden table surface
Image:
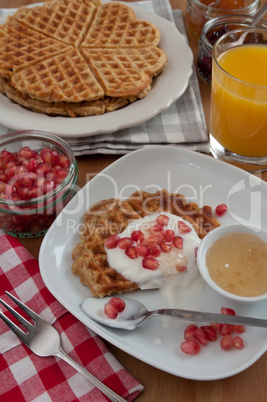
(248, 386)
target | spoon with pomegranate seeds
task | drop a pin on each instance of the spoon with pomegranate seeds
(125, 313)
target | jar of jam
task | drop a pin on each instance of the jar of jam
(213, 30)
(198, 12)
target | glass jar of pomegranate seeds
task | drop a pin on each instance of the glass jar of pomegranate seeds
(38, 177)
(212, 31)
(198, 12)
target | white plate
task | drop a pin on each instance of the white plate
(200, 178)
(167, 88)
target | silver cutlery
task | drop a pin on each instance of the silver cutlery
(135, 314)
(44, 340)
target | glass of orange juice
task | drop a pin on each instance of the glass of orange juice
(238, 123)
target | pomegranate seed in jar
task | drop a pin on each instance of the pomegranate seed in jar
(25, 152)
(137, 236)
(221, 209)
(112, 241)
(6, 155)
(150, 263)
(190, 347)
(183, 227)
(163, 220)
(125, 242)
(63, 161)
(43, 169)
(118, 303)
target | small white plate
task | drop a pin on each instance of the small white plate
(167, 88)
(201, 179)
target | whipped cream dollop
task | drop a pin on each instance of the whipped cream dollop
(167, 275)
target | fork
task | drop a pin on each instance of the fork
(44, 340)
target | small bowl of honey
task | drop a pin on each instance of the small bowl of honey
(232, 259)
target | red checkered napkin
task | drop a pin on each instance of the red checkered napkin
(27, 377)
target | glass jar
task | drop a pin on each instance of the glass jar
(38, 177)
(213, 30)
(199, 12)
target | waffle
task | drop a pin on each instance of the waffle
(78, 57)
(112, 216)
(115, 26)
(21, 47)
(66, 21)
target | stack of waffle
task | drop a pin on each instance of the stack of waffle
(78, 57)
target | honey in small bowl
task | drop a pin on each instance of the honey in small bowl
(233, 261)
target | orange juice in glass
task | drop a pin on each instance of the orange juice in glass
(238, 125)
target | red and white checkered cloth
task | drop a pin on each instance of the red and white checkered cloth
(25, 376)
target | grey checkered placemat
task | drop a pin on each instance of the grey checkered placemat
(182, 124)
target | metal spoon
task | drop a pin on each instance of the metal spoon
(254, 22)
(135, 314)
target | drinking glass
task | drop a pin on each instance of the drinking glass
(238, 125)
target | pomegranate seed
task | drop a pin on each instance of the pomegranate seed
(3, 177)
(34, 192)
(210, 332)
(43, 169)
(189, 331)
(215, 325)
(23, 193)
(25, 152)
(163, 220)
(226, 342)
(111, 311)
(32, 164)
(190, 347)
(181, 268)
(239, 328)
(63, 161)
(154, 239)
(137, 235)
(2, 187)
(112, 241)
(125, 242)
(178, 242)
(221, 209)
(6, 155)
(118, 303)
(143, 250)
(155, 249)
(10, 171)
(131, 252)
(48, 186)
(183, 227)
(200, 336)
(196, 250)
(227, 311)
(156, 228)
(150, 263)
(26, 180)
(168, 235)
(238, 342)
(59, 175)
(165, 247)
(226, 329)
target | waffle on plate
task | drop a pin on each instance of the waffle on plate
(112, 216)
(78, 57)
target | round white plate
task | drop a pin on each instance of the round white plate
(201, 179)
(167, 88)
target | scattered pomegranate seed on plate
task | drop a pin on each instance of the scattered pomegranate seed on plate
(221, 209)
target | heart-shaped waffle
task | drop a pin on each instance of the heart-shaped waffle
(62, 57)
